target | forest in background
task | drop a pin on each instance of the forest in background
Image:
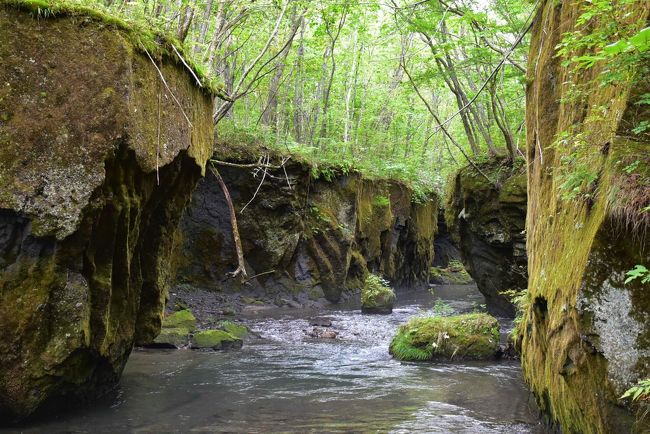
(400, 89)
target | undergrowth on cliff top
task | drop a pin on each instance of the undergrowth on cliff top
(612, 44)
(248, 145)
(144, 37)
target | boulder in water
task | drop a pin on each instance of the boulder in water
(377, 296)
(472, 336)
(215, 340)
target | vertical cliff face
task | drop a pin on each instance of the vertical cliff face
(486, 219)
(96, 165)
(320, 236)
(586, 335)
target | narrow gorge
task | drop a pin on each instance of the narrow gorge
(187, 245)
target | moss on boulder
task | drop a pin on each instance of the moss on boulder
(215, 340)
(172, 337)
(182, 319)
(377, 296)
(90, 202)
(471, 336)
(239, 331)
(453, 274)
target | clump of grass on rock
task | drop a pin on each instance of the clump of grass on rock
(472, 336)
(377, 296)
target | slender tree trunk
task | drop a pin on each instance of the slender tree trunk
(241, 265)
(184, 21)
(299, 114)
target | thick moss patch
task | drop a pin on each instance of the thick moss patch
(183, 319)
(172, 338)
(453, 274)
(239, 331)
(470, 336)
(145, 39)
(215, 339)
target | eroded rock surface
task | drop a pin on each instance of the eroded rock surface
(318, 236)
(486, 219)
(586, 335)
(89, 203)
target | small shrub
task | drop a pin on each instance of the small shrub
(377, 296)
(442, 309)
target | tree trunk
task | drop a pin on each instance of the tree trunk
(184, 22)
(241, 267)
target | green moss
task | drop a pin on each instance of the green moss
(239, 331)
(381, 201)
(454, 274)
(183, 319)
(579, 250)
(470, 336)
(376, 295)
(173, 337)
(146, 39)
(215, 339)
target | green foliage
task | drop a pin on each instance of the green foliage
(576, 172)
(341, 103)
(521, 300)
(381, 201)
(639, 392)
(638, 272)
(376, 292)
(401, 349)
(440, 308)
(607, 34)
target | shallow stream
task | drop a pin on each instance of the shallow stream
(285, 381)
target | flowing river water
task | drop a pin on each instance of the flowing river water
(286, 381)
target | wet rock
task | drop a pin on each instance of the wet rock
(472, 336)
(88, 211)
(487, 221)
(322, 333)
(215, 340)
(321, 322)
(240, 331)
(171, 338)
(319, 238)
(291, 303)
(175, 330)
(453, 274)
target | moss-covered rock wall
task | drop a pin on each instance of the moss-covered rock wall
(586, 335)
(97, 162)
(486, 216)
(317, 235)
